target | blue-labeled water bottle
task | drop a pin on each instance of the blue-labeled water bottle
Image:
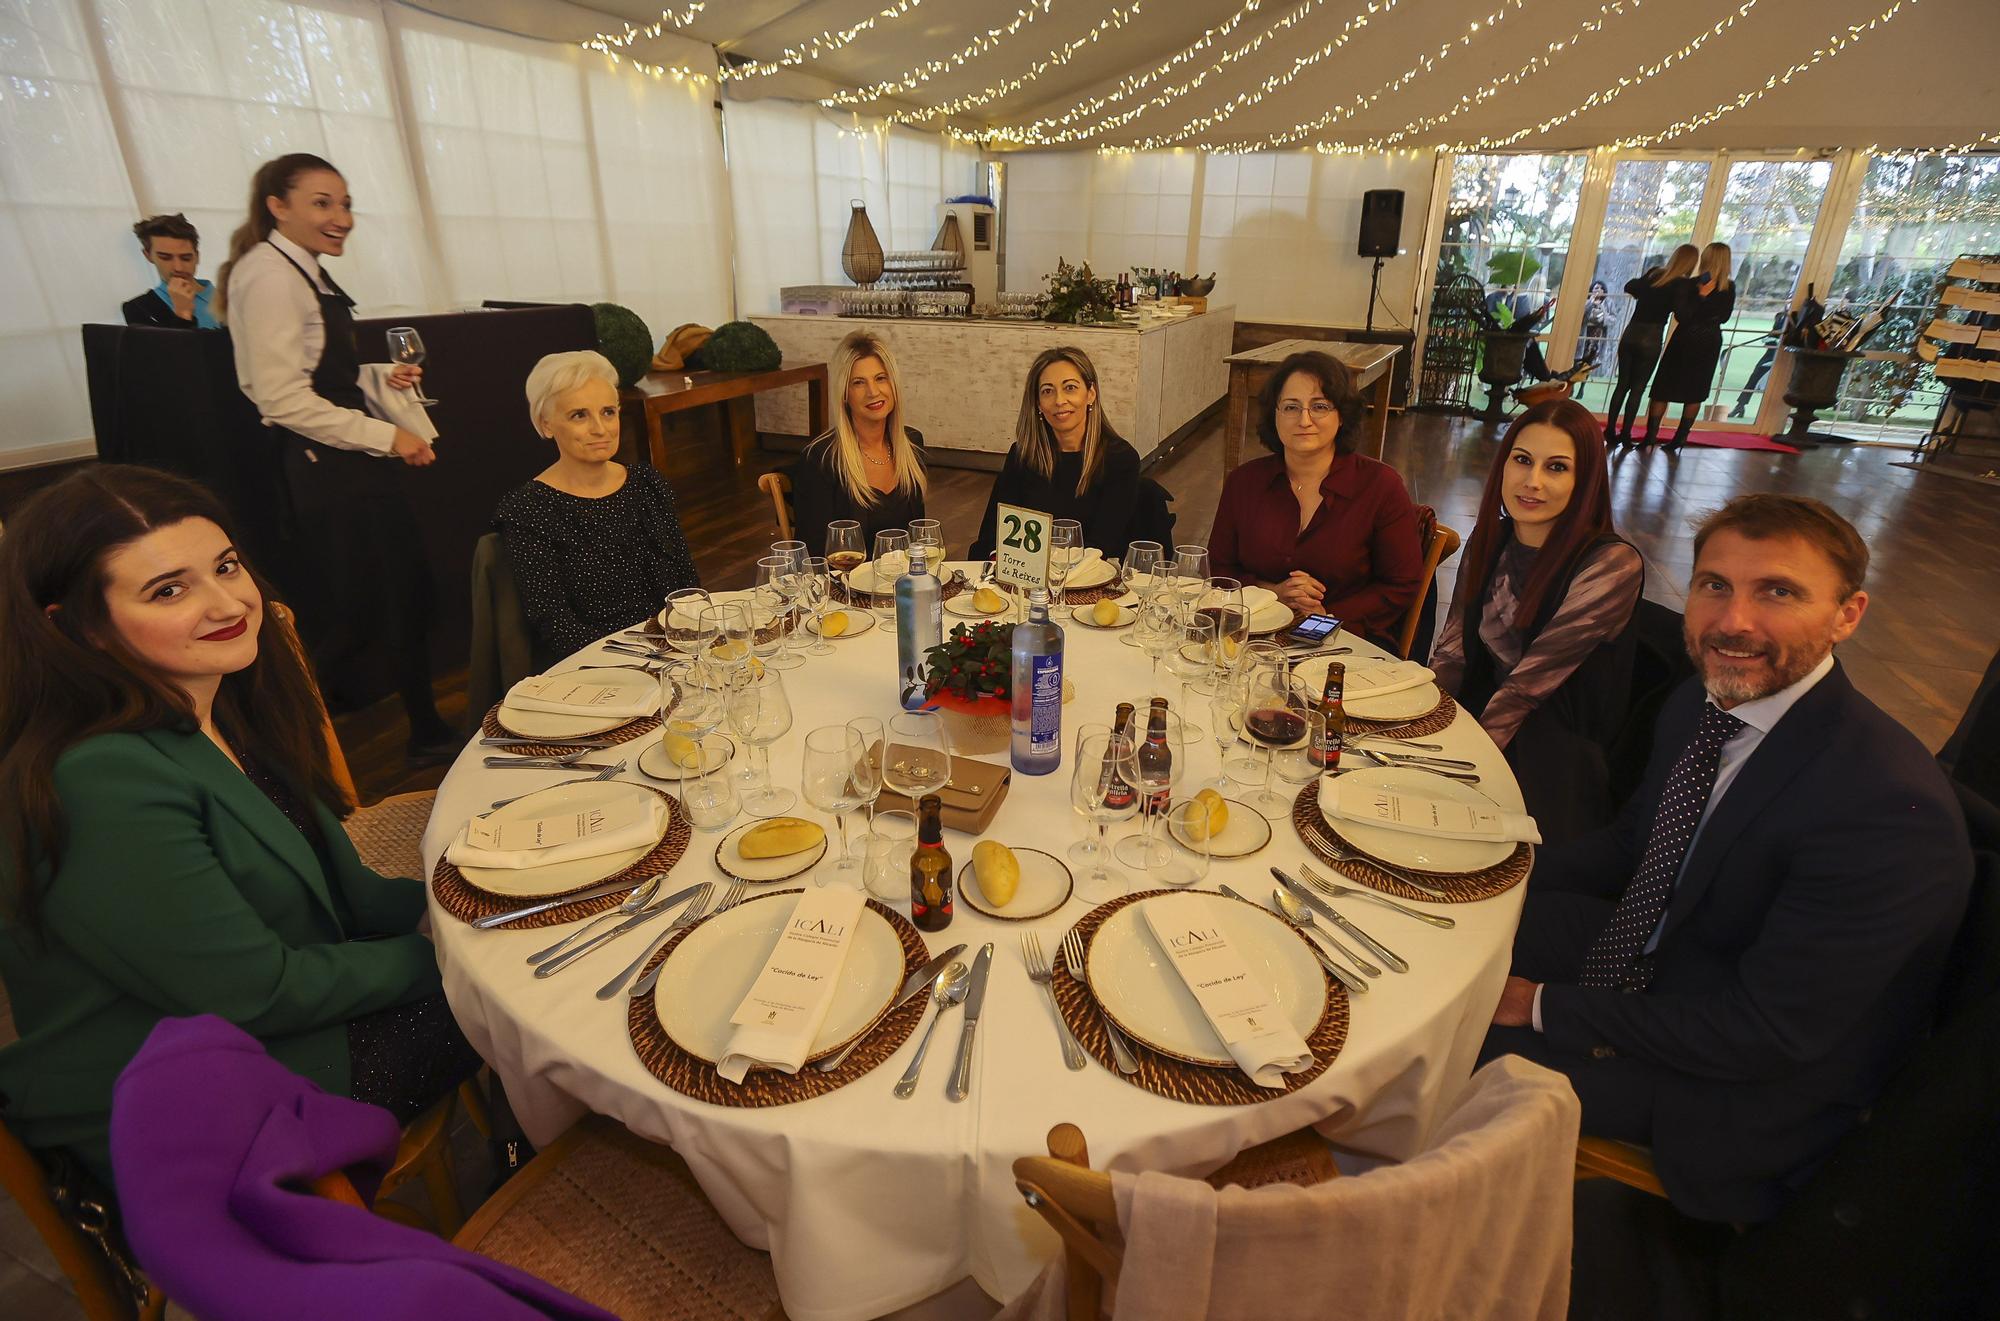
(1037, 689)
(919, 627)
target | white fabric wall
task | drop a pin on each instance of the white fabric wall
(482, 166)
(1278, 229)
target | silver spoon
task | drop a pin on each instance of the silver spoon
(1302, 917)
(952, 988)
(634, 901)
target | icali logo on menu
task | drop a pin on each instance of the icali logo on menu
(1192, 939)
(820, 927)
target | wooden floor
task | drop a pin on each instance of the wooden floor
(1933, 620)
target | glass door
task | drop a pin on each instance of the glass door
(1652, 208)
(1766, 216)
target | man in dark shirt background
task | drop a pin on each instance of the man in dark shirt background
(179, 301)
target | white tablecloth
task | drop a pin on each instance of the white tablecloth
(867, 1203)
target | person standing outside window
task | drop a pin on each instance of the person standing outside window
(180, 301)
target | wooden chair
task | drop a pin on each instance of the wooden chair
(620, 1222)
(1440, 544)
(286, 626)
(1077, 1202)
(99, 1286)
(779, 488)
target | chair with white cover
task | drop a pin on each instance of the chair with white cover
(1478, 1224)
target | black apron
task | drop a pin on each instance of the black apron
(1560, 753)
(368, 599)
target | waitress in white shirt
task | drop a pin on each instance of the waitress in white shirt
(293, 332)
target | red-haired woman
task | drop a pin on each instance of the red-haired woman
(1538, 645)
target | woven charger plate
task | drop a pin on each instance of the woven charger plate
(468, 903)
(1166, 1076)
(1439, 719)
(695, 1077)
(1467, 888)
(491, 727)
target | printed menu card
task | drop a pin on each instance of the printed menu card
(788, 1003)
(576, 694)
(612, 823)
(1353, 798)
(1194, 932)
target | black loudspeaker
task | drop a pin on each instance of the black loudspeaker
(1381, 222)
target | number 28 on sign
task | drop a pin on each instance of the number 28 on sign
(1021, 551)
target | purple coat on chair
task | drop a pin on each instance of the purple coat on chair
(215, 1144)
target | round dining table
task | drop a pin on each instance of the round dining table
(868, 1203)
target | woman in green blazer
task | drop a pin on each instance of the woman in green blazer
(168, 828)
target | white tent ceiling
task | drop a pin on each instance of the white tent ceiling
(1928, 76)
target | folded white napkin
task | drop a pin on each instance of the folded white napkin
(398, 407)
(576, 694)
(1379, 680)
(1194, 932)
(626, 822)
(760, 612)
(788, 1003)
(1352, 798)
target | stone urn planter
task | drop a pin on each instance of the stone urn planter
(1814, 384)
(1506, 352)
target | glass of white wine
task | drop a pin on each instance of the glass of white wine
(406, 348)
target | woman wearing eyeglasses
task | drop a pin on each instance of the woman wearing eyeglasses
(1331, 532)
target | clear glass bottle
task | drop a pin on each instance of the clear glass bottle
(1036, 689)
(919, 627)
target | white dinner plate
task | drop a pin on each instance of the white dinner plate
(1407, 849)
(1081, 614)
(557, 725)
(563, 877)
(1271, 617)
(862, 579)
(1246, 832)
(1045, 886)
(1408, 704)
(764, 870)
(715, 965)
(859, 621)
(962, 605)
(715, 753)
(761, 613)
(1136, 983)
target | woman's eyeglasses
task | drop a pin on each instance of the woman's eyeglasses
(1319, 408)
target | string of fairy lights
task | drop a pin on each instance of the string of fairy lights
(911, 79)
(1119, 16)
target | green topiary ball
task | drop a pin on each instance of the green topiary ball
(738, 346)
(623, 338)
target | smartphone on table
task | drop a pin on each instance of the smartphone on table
(1313, 630)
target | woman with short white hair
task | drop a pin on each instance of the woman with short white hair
(595, 546)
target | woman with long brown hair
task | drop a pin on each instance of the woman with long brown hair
(1538, 644)
(368, 608)
(1067, 460)
(170, 838)
(1652, 295)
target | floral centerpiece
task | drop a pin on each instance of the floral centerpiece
(1078, 296)
(970, 676)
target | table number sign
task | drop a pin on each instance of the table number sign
(1021, 546)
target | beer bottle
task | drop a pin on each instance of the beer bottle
(930, 870)
(1155, 758)
(1118, 794)
(1327, 753)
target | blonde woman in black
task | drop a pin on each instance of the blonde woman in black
(1639, 347)
(1702, 306)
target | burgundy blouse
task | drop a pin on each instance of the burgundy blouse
(1362, 541)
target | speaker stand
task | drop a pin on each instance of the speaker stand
(1374, 289)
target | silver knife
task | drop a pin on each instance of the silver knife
(655, 909)
(1340, 974)
(544, 764)
(625, 886)
(919, 982)
(961, 1076)
(1320, 906)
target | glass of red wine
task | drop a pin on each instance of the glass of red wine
(1274, 716)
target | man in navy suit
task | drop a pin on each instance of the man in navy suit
(1730, 971)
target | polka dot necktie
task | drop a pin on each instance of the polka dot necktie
(1613, 960)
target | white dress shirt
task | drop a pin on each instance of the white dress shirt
(278, 334)
(1759, 716)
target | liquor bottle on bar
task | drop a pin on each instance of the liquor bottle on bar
(1036, 689)
(930, 870)
(1327, 753)
(1118, 795)
(1155, 757)
(919, 627)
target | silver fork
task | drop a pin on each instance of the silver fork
(1333, 890)
(730, 898)
(608, 773)
(1339, 852)
(642, 894)
(513, 741)
(1072, 948)
(1038, 972)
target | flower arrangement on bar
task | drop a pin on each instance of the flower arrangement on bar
(1079, 297)
(971, 671)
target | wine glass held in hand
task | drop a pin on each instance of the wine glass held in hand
(406, 349)
(827, 777)
(1103, 790)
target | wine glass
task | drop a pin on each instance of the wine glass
(1065, 553)
(406, 347)
(1223, 603)
(1159, 772)
(796, 552)
(683, 620)
(1140, 573)
(761, 714)
(868, 767)
(1103, 789)
(814, 588)
(929, 534)
(827, 778)
(1273, 716)
(892, 557)
(711, 801)
(1190, 574)
(845, 551)
(1225, 711)
(1157, 628)
(1304, 761)
(726, 632)
(1190, 659)
(777, 584)
(916, 754)
(1188, 824)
